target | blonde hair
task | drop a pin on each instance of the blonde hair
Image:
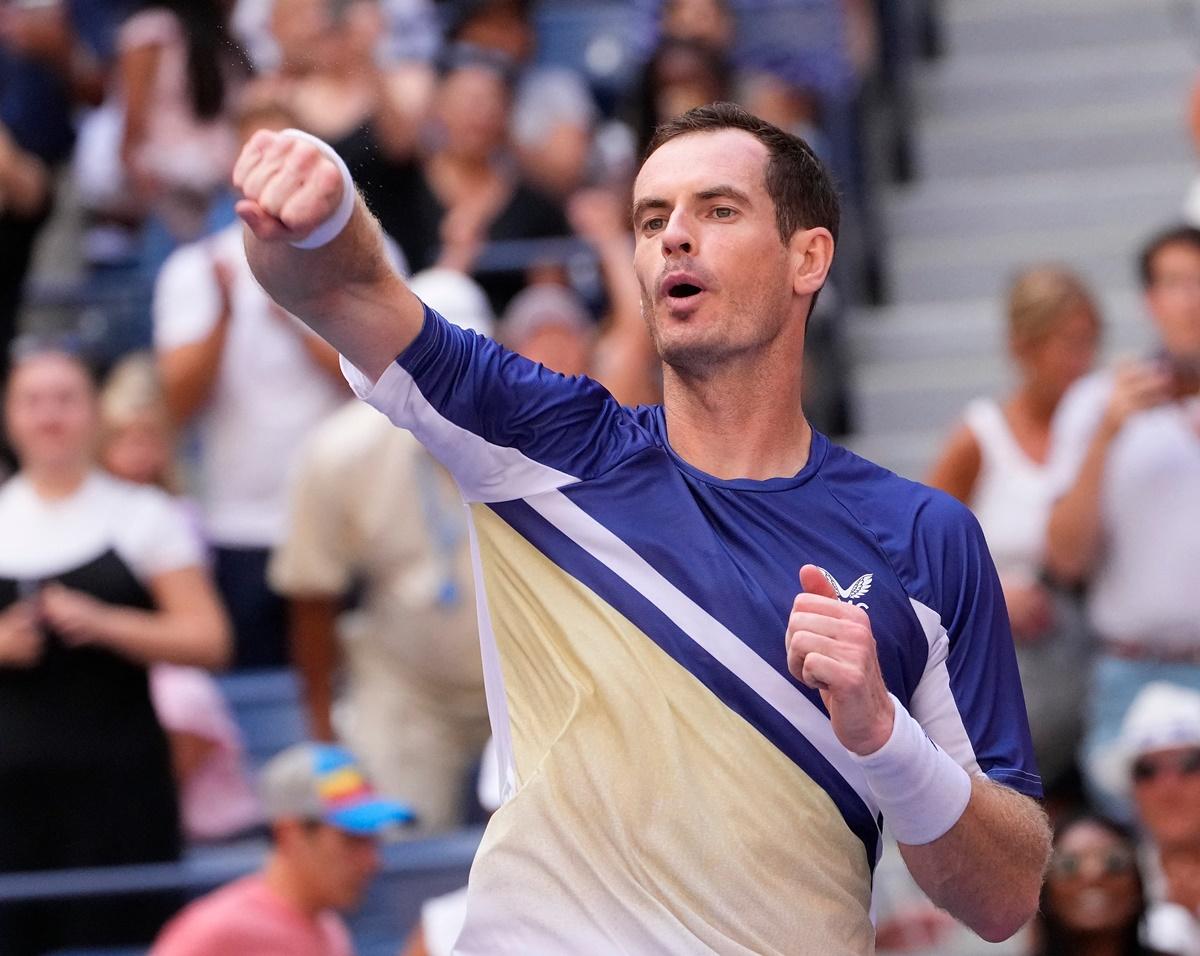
(1041, 296)
(132, 389)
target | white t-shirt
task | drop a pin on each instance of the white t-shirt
(1145, 586)
(268, 394)
(1013, 493)
(145, 527)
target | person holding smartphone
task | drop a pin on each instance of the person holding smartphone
(1125, 526)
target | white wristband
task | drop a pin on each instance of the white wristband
(921, 790)
(331, 228)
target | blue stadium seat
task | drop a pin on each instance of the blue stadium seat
(268, 709)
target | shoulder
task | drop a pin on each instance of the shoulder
(207, 923)
(1084, 399)
(131, 501)
(13, 494)
(918, 528)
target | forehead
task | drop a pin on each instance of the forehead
(49, 369)
(1181, 254)
(1087, 835)
(695, 161)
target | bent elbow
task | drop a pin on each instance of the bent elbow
(1005, 921)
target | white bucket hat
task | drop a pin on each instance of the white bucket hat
(1163, 716)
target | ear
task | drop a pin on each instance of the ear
(812, 253)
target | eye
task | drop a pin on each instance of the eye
(724, 212)
(650, 225)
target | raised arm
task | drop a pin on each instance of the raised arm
(345, 289)
(1074, 535)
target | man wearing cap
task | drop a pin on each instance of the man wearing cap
(326, 822)
(1156, 760)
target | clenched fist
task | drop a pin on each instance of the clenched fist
(830, 647)
(289, 184)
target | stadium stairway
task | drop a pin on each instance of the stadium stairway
(1046, 131)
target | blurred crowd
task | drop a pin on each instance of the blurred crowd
(189, 487)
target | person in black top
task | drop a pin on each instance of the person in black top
(98, 578)
(461, 188)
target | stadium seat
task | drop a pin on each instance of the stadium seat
(268, 710)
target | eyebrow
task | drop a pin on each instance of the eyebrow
(713, 192)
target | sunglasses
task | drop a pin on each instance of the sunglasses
(1114, 862)
(1185, 764)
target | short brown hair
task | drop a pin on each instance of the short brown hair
(797, 182)
(1180, 235)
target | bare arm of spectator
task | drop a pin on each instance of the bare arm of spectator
(20, 636)
(346, 290)
(24, 179)
(189, 626)
(1075, 534)
(957, 470)
(625, 360)
(43, 32)
(137, 68)
(189, 371)
(312, 633)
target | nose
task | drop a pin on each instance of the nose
(678, 236)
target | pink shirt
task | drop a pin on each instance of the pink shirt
(217, 800)
(246, 918)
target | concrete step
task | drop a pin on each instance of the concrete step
(1151, 71)
(969, 328)
(1097, 136)
(907, 453)
(976, 205)
(982, 26)
(945, 267)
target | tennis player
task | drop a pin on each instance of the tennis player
(718, 648)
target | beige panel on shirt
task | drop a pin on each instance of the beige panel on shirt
(649, 816)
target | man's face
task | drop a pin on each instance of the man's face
(1166, 788)
(1174, 298)
(716, 279)
(338, 866)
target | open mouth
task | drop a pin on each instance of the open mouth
(684, 290)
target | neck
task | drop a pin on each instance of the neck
(282, 881)
(57, 482)
(743, 420)
(1034, 404)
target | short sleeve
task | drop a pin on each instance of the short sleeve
(315, 555)
(969, 698)
(156, 536)
(504, 426)
(186, 298)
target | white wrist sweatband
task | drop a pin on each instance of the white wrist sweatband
(331, 228)
(921, 790)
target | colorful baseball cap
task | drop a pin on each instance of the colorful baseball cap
(324, 782)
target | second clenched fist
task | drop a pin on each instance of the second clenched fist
(289, 186)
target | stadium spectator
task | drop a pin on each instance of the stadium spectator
(326, 822)
(461, 189)
(178, 69)
(1000, 462)
(216, 800)
(98, 580)
(1127, 525)
(254, 382)
(45, 71)
(372, 511)
(554, 115)
(330, 77)
(1156, 759)
(680, 74)
(1092, 900)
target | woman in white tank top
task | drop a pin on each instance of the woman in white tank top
(1001, 463)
